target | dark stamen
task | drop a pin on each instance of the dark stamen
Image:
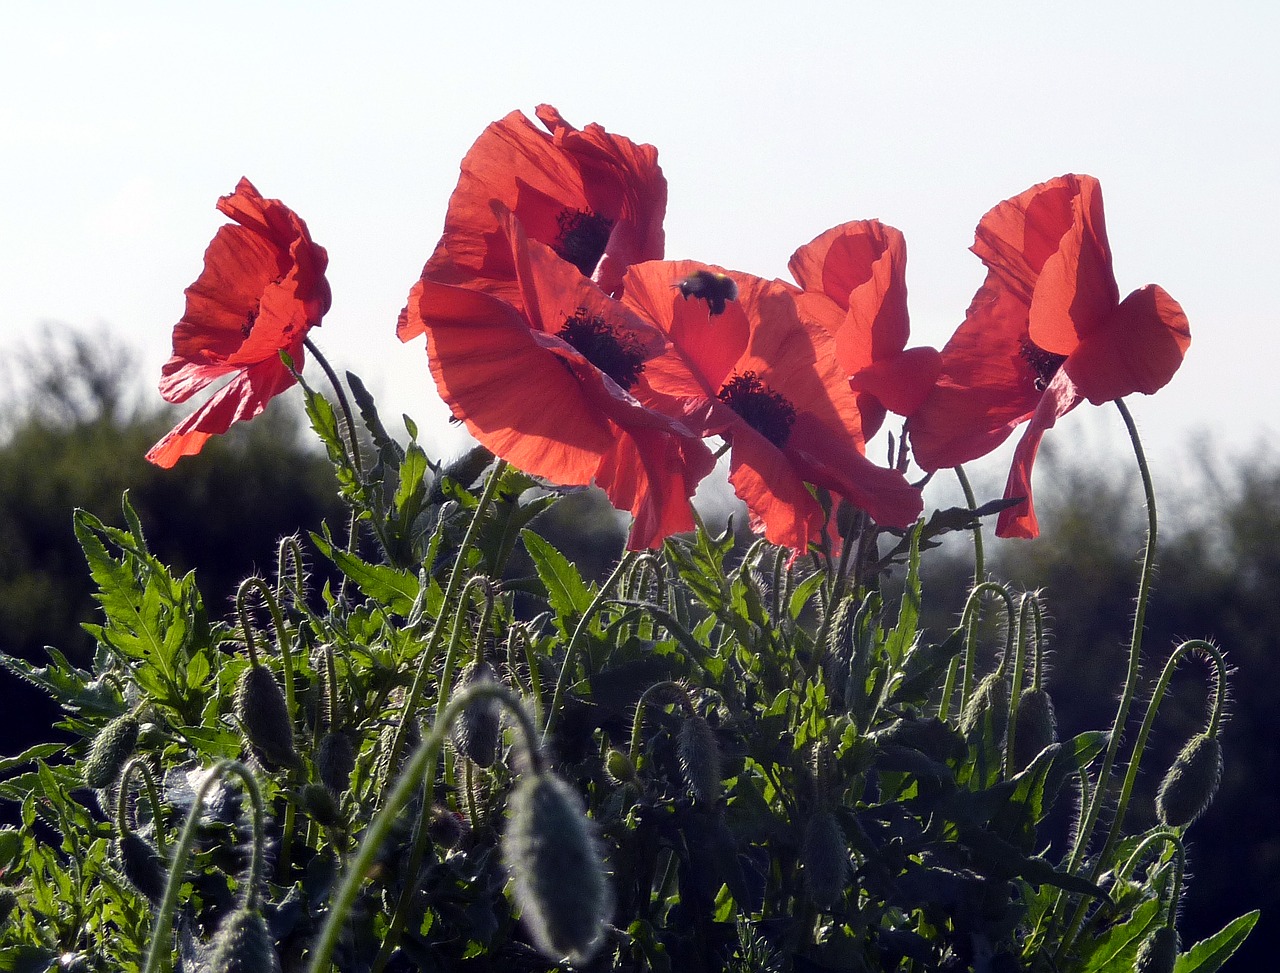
(1044, 363)
(766, 411)
(583, 237)
(618, 355)
(247, 328)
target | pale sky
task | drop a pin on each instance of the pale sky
(122, 123)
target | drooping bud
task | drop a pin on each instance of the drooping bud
(335, 760)
(824, 860)
(699, 754)
(317, 800)
(1036, 727)
(478, 729)
(8, 902)
(243, 945)
(560, 883)
(619, 767)
(264, 716)
(989, 702)
(142, 865)
(111, 748)
(1189, 786)
(1158, 952)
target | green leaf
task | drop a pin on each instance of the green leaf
(26, 959)
(566, 591)
(394, 588)
(1209, 954)
(903, 635)
(387, 447)
(1116, 950)
(39, 752)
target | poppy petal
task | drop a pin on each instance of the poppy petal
(1059, 398)
(1142, 345)
(901, 382)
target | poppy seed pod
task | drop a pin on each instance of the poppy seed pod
(560, 883)
(1158, 952)
(1036, 727)
(699, 754)
(1189, 786)
(825, 859)
(243, 945)
(264, 716)
(477, 732)
(113, 745)
(990, 701)
(142, 866)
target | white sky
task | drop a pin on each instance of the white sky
(122, 123)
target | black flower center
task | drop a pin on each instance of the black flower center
(618, 355)
(247, 328)
(1044, 363)
(582, 238)
(764, 410)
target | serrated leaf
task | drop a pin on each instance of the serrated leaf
(1117, 949)
(26, 959)
(567, 593)
(1209, 954)
(387, 446)
(39, 752)
(903, 634)
(394, 588)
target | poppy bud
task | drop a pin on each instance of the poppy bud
(1158, 952)
(317, 800)
(264, 717)
(335, 760)
(142, 866)
(1189, 786)
(825, 860)
(1036, 728)
(8, 902)
(111, 748)
(446, 828)
(990, 701)
(243, 945)
(699, 755)
(560, 883)
(477, 731)
(619, 767)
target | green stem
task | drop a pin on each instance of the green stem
(979, 562)
(161, 935)
(676, 692)
(969, 622)
(437, 631)
(1129, 692)
(570, 652)
(139, 764)
(1179, 866)
(413, 777)
(354, 440)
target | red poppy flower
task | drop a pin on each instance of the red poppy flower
(545, 384)
(765, 380)
(855, 286)
(596, 199)
(1046, 330)
(263, 288)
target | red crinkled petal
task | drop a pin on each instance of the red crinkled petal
(1139, 349)
(1059, 398)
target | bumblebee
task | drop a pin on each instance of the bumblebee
(715, 289)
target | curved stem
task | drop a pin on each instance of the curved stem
(1179, 866)
(153, 797)
(1129, 691)
(162, 931)
(570, 652)
(353, 439)
(969, 622)
(677, 693)
(979, 561)
(437, 631)
(408, 783)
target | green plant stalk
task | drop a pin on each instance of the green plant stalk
(979, 561)
(1015, 690)
(292, 548)
(1131, 676)
(354, 441)
(122, 818)
(409, 781)
(1179, 866)
(160, 950)
(969, 621)
(677, 694)
(570, 652)
(1139, 746)
(437, 631)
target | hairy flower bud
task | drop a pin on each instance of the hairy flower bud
(699, 755)
(990, 701)
(446, 828)
(335, 760)
(243, 945)
(825, 860)
(1158, 952)
(8, 902)
(111, 748)
(1036, 727)
(619, 767)
(1189, 786)
(264, 716)
(560, 882)
(142, 866)
(317, 800)
(477, 731)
